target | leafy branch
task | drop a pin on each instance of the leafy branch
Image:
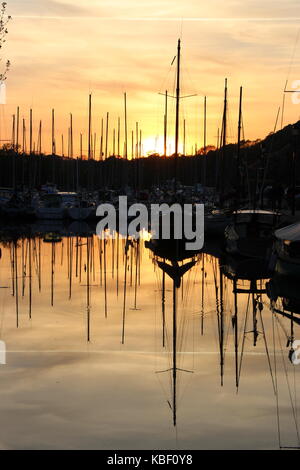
(4, 20)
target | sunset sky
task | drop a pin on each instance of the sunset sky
(62, 50)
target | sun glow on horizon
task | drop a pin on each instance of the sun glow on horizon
(55, 64)
(153, 145)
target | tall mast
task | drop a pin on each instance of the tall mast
(204, 145)
(53, 132)
(126, 139)
(240, 122)
(30, 133)
(205, 109)
(119, 122)
(177, 112)
(90, 127)
(101, 141)
(69, 143)
(177, 99)
(106, 138)
(24, 137)
(137, 140)
(17, 132)
(140, 144)
(225, 115)
(71, 135)
(224, 141)
(114, 142)
(13, 137)
(184, 137)
(239, 143)
(53, 145)
(166, 124)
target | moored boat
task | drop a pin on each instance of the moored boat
(251, 233)
(55, 206)
(287, 250)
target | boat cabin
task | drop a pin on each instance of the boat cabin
(288, 243)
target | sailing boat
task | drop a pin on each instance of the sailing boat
(173, 250)
(216, 220)
(285, 282)
(287, 250)
(250, 234)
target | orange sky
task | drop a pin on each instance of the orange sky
(62, 50)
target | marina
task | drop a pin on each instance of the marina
(149, 259)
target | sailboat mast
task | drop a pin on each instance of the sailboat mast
(71, 135)
(17, 131)
(125, 122)
(30, 132)
(177, 111)
(240, 125)
(40, 138)
(225, 115)
(13, 137)
(166, 124)
(204, 145)
(119, 122)
(53, 145)
(90, 127)
(137, 140)
(53, 132)
(101, 140)
(106, 136)
(184, 137)
(239, 143)
(177, 99)
(205, 122)
(224, 141)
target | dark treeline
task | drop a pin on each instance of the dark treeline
(273, 160)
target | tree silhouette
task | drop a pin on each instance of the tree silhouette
(4, 20)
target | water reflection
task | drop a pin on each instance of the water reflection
(204, 341)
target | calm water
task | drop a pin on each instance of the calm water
(90, 336)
